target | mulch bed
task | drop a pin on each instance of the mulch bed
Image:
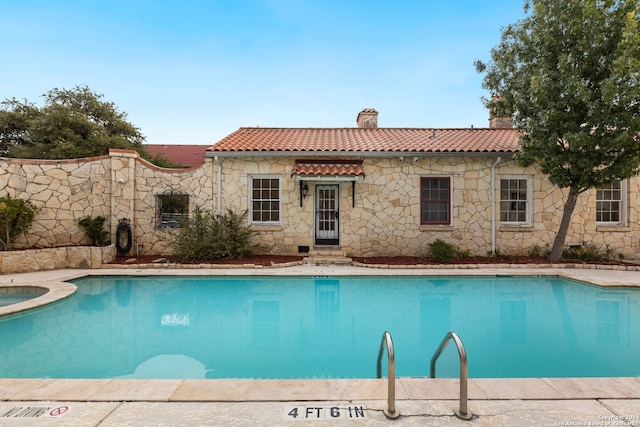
(265, 260)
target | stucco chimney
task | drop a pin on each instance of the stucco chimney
(367, 118)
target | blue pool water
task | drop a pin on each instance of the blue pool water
(324, 327)
(8, 299)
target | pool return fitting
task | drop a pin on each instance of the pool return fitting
(391, 411)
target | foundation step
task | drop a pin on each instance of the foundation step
(327, 257)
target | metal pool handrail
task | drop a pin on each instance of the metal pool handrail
(391, 411)
(462, 413)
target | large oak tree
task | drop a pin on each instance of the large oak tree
(72, 123)
(569, 74)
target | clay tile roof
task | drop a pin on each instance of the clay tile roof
(328, 168)
(185, 155)
(362, 140)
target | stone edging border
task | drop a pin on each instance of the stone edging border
(379, 266)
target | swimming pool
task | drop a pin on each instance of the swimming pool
(323, 327)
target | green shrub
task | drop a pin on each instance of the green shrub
(441, 251)
(587, 253)
(212, 236)
(16, 217)
(94, 227)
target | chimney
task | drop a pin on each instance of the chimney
(367, 118)
(498, 120)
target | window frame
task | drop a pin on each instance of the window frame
(162, 221)
(622, 220)
(449, 200)
(251, 200)
(528, 212)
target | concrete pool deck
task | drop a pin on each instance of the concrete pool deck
(421, 401)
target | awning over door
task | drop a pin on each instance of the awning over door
(338, 170)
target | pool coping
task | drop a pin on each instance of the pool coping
(242, 390)
(47, 293)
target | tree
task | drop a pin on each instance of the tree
(72, 123)
(569, 73)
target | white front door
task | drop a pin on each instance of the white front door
(327, 214)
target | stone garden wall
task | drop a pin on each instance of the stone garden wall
(120, 185)
(64, 191)
(28, 260)
(381, 218)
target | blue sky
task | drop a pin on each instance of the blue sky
(193, 71)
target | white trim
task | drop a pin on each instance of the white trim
(493, 204)
(529, 202)
(250, 199)
(624, 198)
(338, 222)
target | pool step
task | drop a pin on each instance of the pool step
(327, 257)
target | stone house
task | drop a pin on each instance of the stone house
(364, 191)
(371, 191)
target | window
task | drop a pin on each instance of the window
(435, 200)
(265, 200)
(515, 203)
(171, 210)
(609, 203)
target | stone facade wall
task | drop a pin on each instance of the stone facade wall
(64, 191)
(382, 217)
(385, 219)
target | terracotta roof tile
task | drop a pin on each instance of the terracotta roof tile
(410, 140)
(185, 155)
(328, 168)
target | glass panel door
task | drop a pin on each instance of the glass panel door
(327, 214)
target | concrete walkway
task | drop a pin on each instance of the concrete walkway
(421, 401)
